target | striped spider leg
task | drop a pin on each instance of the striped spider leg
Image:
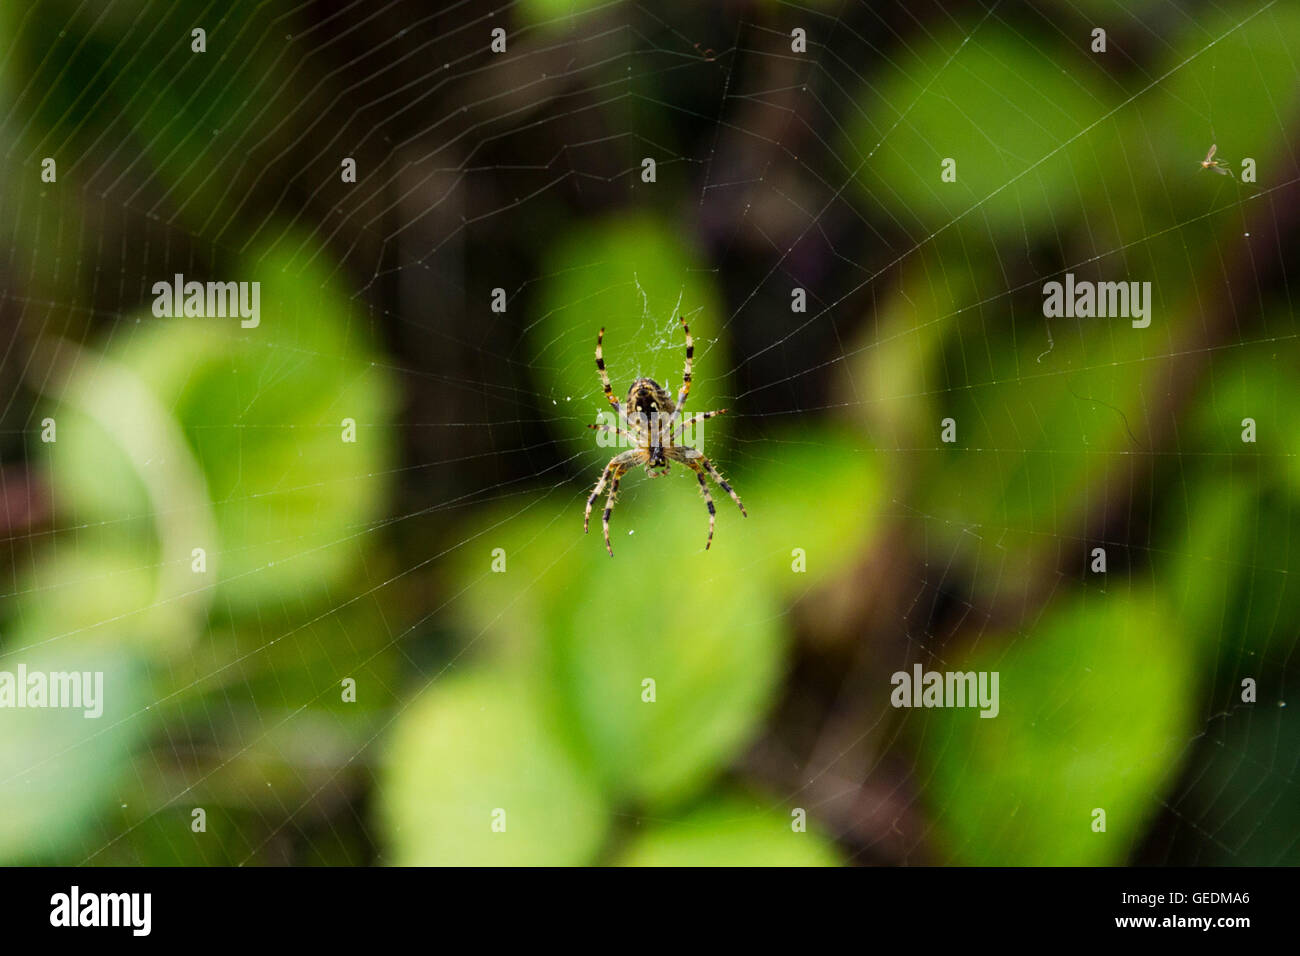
(616, 431)
(614, 471)
(626, 429)
(685, 390)
(624, 425)
(679, 431)
(696, 462)
(677, 426)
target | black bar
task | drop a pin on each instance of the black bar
(329, 906)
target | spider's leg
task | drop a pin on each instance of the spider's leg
(617, 466)
(708, 500)
(609, 504)
(685, 390)
(616, 430)
(722, 483)
(600, 486)
(681, 427)
(604, 375)
(693, 463)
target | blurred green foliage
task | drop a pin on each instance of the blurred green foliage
(1119, 693)
(188, 435)
(1095, 714)
(743, 831)
(474, 748)
(57, 765)
(1006, 109)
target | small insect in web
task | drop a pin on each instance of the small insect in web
(1218, 165)
(650, 421)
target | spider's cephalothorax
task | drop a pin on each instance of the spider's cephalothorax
(650, 421)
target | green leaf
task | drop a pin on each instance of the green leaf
(732, 830)
(231, 439)
(58, 767)
(705, 629)
(1002, 108)
(471, 745)
(1258, 384)
(105, 595)
(191, 132)
(1095, 712)
(705, 626)
(822, 494)
(588, 630)
(1231, 580)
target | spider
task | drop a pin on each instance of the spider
(651, 422)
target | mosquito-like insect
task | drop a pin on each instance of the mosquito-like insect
(1218, 165)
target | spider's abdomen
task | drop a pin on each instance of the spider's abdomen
(649, 397)
(649, 400)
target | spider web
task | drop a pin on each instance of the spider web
(777, 170)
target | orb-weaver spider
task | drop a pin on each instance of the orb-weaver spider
(651, 422)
